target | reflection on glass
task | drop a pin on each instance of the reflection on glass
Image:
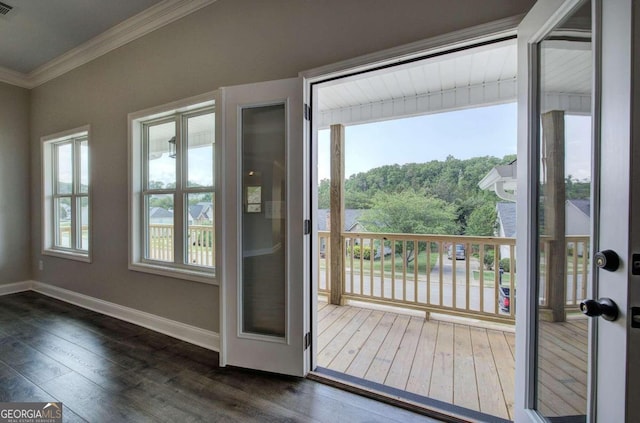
(160, 234)
(64, 169)
(263, 220)
(200, 140)
(63, 222)
(83, 223)
(564, 219)
(200, 237)
(161, 169)
(84, 168)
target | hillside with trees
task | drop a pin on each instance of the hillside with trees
(437, 197)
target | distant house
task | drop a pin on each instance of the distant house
(160, 216)
(506, 212)
(351, 224)
(351, 220)
(577, 220)
(201, 214)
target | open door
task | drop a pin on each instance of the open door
(264, 316)
(574, 111)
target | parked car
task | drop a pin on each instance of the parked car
(460, 252)
(504, 295)
(504, 298)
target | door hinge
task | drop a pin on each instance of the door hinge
(307, 227)
(307, 112)
(307, 340)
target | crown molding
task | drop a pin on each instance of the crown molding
(133, 28)
(14, 78)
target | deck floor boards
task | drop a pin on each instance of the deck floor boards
(469, 366)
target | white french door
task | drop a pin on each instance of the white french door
(574, 111)
(262, 256)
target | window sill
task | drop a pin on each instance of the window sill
(69, 255)
(201, 276)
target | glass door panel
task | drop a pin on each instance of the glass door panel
(263, 223)
(564, 217)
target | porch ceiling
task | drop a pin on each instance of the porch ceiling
(475, 77)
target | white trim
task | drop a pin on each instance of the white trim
(485, 94)
(129, 30)
(46, 146)
(12, 77)
(15, 287)
(136, 261)
(491, 31)
(188, 333)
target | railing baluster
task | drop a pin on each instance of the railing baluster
(416, 266)
(476, 251)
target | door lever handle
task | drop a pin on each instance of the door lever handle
(604, 307)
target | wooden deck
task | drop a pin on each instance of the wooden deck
(472, 367)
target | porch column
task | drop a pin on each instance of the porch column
(336, 246)
(554, 215)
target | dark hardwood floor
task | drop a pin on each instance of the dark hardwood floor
(106, 370)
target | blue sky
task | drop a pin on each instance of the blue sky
(484, 131)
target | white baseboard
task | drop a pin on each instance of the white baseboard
(184, 332)
(13, 288)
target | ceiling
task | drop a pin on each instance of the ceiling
(473, 77)
(35, 32)
(43, 39)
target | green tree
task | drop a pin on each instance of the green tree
(482, 221)
(409, 212)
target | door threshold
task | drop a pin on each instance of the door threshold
(429, 407)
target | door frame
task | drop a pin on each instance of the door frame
(541, 19)
(443, 44)
(613, 101)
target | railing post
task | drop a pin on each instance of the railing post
(337, 213)
(554, 214)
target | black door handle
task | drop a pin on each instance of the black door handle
(604, 307)
(607, 260)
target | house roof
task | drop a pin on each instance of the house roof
(197, 210)
(351, 217)
(507, 218)
(584, 205)
(507, 214)
(159, 212)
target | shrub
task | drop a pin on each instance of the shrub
(505, 264)
(357, 250)
(489, 259)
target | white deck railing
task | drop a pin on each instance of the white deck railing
(384, 269)
(200, 244)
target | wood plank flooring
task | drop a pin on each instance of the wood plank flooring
(107, 370)
(471, 367)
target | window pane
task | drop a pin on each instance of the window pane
(63, 222)
(83, 223)
(200, 141)
(84, 167)
(200, 229)
(161, 164)
(159, 211)
(264, 283)
(64, 168)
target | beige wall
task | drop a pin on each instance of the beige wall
(230, 42)
(15, 230)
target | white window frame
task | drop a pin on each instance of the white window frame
(49, 195)
(137, 121)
